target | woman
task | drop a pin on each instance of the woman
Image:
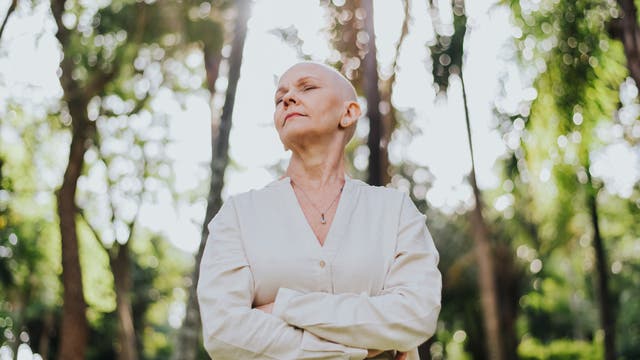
(317, 265)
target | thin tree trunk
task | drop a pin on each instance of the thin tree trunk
(627, 30)
(12, 8)
(607, 319)
(486, 270)
(45, 336)
(386, 93)
(73, 328)
(424, 350)
(372, 93)
(508, 279)
(188, 340)
(121, 268)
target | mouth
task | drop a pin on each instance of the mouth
(291, 115)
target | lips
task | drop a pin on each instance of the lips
(292, 115)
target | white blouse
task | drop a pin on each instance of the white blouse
(374, 284)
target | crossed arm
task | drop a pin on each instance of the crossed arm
(317, 325)
(268, 308)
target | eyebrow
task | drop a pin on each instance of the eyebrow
(300, 81)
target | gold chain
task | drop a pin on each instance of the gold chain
(322, 218)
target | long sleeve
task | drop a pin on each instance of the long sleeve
(231, 328)
(401, 317)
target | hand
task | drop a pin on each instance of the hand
(373, 353)
(266, 307)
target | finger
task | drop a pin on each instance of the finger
(401, 356)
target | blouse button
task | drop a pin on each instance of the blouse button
(322, 263)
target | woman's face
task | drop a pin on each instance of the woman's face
(308, 105)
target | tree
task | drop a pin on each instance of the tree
(372, 93)
(74, 321)
(625, 28)
(577, 91)
(447, 57)
(353, 36)
(188, 340)
(29, 257)
(91, 67)
(119, 211)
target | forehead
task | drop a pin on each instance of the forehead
(301, 71)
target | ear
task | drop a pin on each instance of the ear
(351, 114)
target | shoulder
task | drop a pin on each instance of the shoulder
(383, 193)
(393, 200)
(268, 193)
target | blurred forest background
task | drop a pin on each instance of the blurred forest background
(543, 263)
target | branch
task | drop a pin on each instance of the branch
(388, 87)
(93, 230)
(131, 225)
(136, 109)
(403, 35)
(12, 8)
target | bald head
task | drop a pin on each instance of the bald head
(343, 87)
(320, 92)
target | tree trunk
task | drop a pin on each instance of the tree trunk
(424, 350)
(189, 334)
(389, 120)
(188, 340)
(74, 330)
(626, 29)
(607, 319)
(372, 93)
(45, 335)
(486, 270)
(508, 288)
(120, 263)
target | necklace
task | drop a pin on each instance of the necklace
(322, 219)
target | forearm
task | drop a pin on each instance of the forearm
(391, 321)
(255, 335)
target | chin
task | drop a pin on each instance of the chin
(295, 129)
(297, 134)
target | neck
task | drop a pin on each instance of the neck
(317, 167)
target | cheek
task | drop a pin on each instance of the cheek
(332, 111)
(325, 107)
(277, 114)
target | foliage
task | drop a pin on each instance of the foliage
(579, 90)
(532, 349)
(578, 71)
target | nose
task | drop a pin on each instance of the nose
(289, 98)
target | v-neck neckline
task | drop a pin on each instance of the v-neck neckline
(338, 217)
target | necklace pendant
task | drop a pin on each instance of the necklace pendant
(322, 220)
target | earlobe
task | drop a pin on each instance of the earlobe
(352, 113)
